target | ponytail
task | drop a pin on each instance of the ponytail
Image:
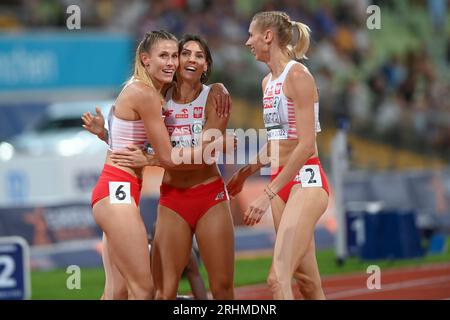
(300, 47)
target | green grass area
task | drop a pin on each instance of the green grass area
(52, 284)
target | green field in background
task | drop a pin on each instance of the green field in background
(52, 284)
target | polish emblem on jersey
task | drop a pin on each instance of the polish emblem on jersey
(198, 112)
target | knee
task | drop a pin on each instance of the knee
(141, 291)
(222, 289)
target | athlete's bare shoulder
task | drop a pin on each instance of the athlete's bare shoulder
(299, 72)
(140, 94)
(299, 80)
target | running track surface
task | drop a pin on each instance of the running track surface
(428, 282)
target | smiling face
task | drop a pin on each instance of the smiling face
(257, 41)
(192, 62)
(162, 61)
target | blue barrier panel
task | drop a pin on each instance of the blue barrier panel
(410, 240)
(355, 232)
(372, 247)
(60, 223)
(62, 235)
(51, 224)
(64, 60)
(387, 234)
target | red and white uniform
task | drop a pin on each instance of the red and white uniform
(279, 120)
(125, 132)
(279, 112)
(185, 121)
(120, 186)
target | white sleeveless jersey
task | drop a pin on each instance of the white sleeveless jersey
(279, 112)
(185, 122)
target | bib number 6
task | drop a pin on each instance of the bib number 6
(119, 192)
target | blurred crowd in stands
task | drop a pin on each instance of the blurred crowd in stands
(402, 98)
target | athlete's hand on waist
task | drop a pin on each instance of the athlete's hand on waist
(132, 157)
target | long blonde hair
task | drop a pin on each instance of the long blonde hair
(149, 40)
(284, 27)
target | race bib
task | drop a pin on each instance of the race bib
(119, 192)
(309, 176)
(277, 133)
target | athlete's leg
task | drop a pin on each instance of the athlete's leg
(115, 284)
(215, 238)
(277, 206)
(294, 236)
(307, 273)
(171, 249)
(195, 279)
(127, 244)
(152, 290)
(107, 290)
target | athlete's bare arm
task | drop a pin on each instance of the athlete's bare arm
(219, 95)
(221, 98)
(135, 158)
(213, 121)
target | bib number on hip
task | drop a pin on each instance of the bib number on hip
(119, 192)
(309, 176)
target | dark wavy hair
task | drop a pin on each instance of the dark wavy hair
(203, 44)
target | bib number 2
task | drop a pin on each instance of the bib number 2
(119, 192)
(309, 176)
